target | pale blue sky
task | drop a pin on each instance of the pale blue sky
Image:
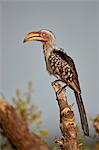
(75, 25)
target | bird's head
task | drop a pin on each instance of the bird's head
(44, 36)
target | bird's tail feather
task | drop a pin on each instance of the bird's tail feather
(82, 112)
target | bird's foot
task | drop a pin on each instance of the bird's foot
(60, 90)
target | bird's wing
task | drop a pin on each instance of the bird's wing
(71, 64)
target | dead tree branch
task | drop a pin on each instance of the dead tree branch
(16, 130)
(96, 124)
(69, 140)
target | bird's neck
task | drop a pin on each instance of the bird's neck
(48, 48)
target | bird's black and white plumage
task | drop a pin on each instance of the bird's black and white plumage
(59, 64)
(63, 68)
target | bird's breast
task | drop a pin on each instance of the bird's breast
(59, 67)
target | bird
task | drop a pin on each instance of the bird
(61, 65)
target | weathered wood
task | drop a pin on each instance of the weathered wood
(69, 140)
(16, 130)
(96, 124)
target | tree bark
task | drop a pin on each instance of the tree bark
(96, 124)
(68, 127)
(16, 130)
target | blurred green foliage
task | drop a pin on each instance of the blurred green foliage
(25, 106)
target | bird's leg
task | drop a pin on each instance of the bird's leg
(57, 80)
(60, 90)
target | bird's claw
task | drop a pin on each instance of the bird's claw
(60, 90)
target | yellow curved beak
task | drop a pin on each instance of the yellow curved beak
(34, 36)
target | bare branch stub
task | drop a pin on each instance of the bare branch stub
(69, 140)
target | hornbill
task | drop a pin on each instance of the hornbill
(62, 66)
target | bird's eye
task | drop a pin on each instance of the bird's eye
(43, 34)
